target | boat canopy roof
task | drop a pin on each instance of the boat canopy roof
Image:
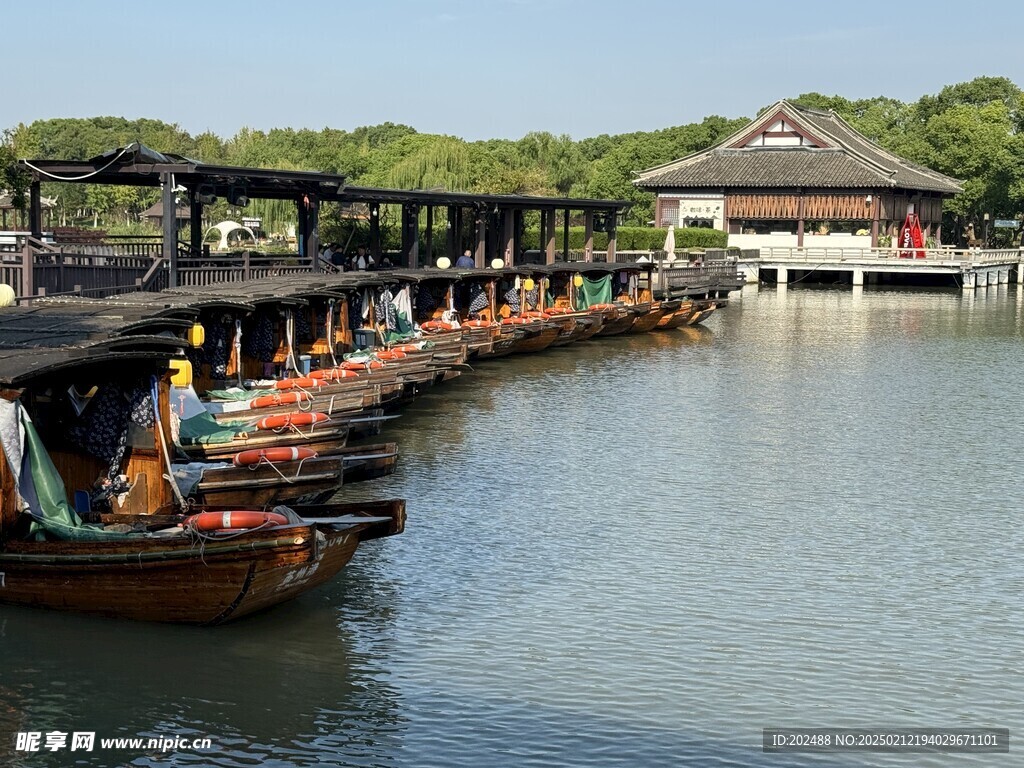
(18, 367)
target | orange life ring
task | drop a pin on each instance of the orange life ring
(436, 325)
(477, 323)
(278, 398)
(333, 373)
(299, 419)
(537, 313)
(233, 520)
(273, 455)
(303, 383)
(372, 365)
(601, 307)
(407, 348)
(391, 354)
(516, 320)
(558, 311)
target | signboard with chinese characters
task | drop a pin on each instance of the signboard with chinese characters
(1007, 223)
(703, 209)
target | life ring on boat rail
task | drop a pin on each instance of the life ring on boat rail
(273, 455)
(370, 365)
(407, 348)
(233, 520)
(391, 354)
(285, 420)
(478, 323)
(279, 398)
(436, 325)
(303, 383)
(601, 307)
(330, 374)
(558, 310)
(537, 313)
(517, 320)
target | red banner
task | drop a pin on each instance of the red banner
(911, 240)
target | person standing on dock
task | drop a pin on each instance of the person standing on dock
(465, 261)
(363, 260)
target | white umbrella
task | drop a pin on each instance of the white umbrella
(670, 243)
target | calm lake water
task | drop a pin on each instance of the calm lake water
(637, 552)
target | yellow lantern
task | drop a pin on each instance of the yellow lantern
(197, 335)
(578, 281)
(181, 373)
(497, 263)
(528, 284)
(444, 262)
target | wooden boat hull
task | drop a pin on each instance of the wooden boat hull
(310, 480)
(367, 462)
(702, 314)
(322, 439)
(677, 318)
(647, 321)
(536, 341)
(618, 325)
(181, 581)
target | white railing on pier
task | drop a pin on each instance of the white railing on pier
(922, 256)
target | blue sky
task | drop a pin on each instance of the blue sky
(484, 68)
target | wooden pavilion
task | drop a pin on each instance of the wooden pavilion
(495, 220)
(793, 176)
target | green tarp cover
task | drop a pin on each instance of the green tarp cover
(43, 490)
(593, 292)
(237, 396)
(203, 429)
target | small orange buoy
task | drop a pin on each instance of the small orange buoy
(273, 455)
(233, 520)
(278, 398)
(291, 419)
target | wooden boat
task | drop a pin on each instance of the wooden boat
(367, 462)
(678, 318)
(178, 578)
(648, 314)
(704, 309)
(306, 481)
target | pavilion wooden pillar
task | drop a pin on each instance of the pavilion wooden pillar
(451, 237)
(549, 255)
(35, 210)
(508, 238)
(517, 235)
(610, 225)
(411, 236)
(195, 223)
(800, 221)
(312, 205)
(565, 236)
(170, 228)
(302, 227)
(588, 234)
(493, 246)
(480, 257)
(375, 231)
(876, 206)
(430, 235)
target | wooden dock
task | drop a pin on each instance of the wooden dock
(967, 269)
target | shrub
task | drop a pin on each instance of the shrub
(635, 238)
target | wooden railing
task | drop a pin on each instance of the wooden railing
(922, 256)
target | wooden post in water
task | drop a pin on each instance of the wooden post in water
(170, 228)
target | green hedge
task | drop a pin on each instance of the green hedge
(635, 238)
